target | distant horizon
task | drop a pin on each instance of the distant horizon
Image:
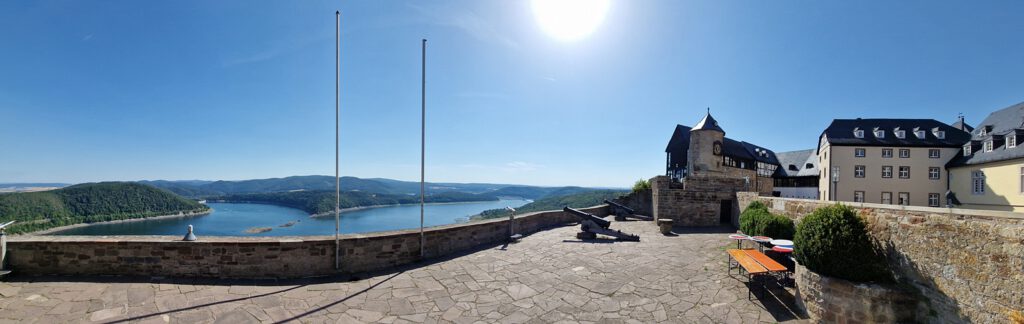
(311, 175)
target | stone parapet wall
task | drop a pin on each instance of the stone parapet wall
(694, 202)
(639, 201)
(831, 300)
(967, 265)
(262, 257)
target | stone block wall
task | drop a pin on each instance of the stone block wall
(640, 201)
(966, 265)
(831, 300)
(694, 202)
(261, 257)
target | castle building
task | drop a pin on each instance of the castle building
(988, 172)
(704, 170)
(797, 176)
(887, 161)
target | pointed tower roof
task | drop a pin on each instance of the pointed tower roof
(708, 123)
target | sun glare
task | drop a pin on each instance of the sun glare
(569, 20)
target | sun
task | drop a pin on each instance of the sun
(569, 20)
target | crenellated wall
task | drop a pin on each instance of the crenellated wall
(262, 257)
(967, 265)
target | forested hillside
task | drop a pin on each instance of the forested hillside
(89, 203)
(577, 200)
(322, 201)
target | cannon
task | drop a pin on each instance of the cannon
(591, 225)
(622, 212)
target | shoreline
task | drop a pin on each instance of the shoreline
(72, 226)
(351, 209)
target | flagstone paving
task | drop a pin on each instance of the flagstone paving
(548, 277)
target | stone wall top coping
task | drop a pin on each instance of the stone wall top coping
(257, 239)
(937, 210)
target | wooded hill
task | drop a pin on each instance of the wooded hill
(89, 203)
(322, 201)
(577, 200)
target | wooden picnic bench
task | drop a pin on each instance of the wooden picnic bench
(756, 265)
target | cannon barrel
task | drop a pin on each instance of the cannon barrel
(618, 205)
(597, 220)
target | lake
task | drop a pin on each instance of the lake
(232, 219)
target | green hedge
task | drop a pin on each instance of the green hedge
(833, 241)
(758, 221)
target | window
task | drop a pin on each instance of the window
(982, 130)
(988, 146)
(879, 133)
(809, 165)
(886, 171)
(978, 183)
(886, 153)
(933, 200)
(858, 196)
(933, 173)
(904, 172)
(904, 198)
(728, 161)
(887, 198)
(859, 152)
(1022, 179)
(858, 171)
(858, 133)
(904, 153)
(919, 134)
(940, 134)
(901, 134)
(1011, 141)
(934, 153)
(967, 149)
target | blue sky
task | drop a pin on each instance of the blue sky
(130, 90)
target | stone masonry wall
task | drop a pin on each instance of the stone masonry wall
(967, 265)
(247, 257)
(696, 201)
(832, 300)
(639, 201)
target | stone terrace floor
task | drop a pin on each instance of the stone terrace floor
(548, 277)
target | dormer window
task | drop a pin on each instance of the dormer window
(1011, 141)
(919, 134)
(983, 130)
(879, 133)
(858, 133)
(901, 134)
(940, 134)
(988, 146)
(792, 167)
(967, 149)
(809, 165)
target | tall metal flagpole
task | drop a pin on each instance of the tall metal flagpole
(423, 137)
(337, 178)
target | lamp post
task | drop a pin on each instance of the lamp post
(337, 177)
(423, 138)
(835, 183)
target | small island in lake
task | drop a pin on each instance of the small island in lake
(257, 230)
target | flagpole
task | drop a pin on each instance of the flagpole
(423, 137)
(337, 178)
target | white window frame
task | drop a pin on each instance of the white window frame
(1022, 179)
(938, 153)
(967, 149)
(982, 131)
(858, 196)
(940, 134)
(1011, 141)
(884, 199)
(988, 146)
(887, 168)
(900, 198)
(904, 156)
(858, 133)
(860, 152)
(977, 183)
(879, 133)
(920, 134)
(889, 150)
(933, 200)
(901, 134)
(859, 171)
(901, 169)
(934, 173)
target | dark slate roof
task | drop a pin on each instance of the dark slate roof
(680, 142)
(998, 124)
(798, 160)
(708, 123)
(962, 125)
(841, 132)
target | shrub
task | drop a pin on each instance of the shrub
(757, 220)
(641, 185)
(833, 241)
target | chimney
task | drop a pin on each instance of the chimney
(963, 126)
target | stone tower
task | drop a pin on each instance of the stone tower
(706, 142)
